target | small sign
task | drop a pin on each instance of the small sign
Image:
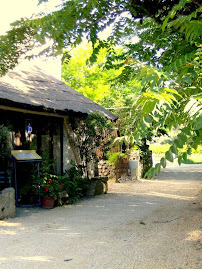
(23, 155)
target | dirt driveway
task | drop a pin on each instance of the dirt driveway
(137, 225)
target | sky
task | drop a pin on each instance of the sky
(12, 10)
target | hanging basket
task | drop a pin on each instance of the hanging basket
(48, 202)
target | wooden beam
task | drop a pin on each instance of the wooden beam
(27, 111)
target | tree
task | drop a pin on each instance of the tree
(93, 81)
(166, 60)
(171, 82)
(78, 19)
(99, 84)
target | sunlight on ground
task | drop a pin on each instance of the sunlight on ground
(64, 234)
(32, 258)
(169, 180)
(8, 232)
(8, 224)
(194, 236)
(172, 196)
(4, 224)
(63, 229)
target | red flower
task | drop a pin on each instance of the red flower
(50, 181)
(46, 189)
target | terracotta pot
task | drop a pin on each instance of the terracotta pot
(48, 202)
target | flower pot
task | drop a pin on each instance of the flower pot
(48, 202)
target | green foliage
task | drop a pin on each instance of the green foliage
(171, 94)
(28, 193)
(28, 183)
(65, 27)
(185, 155)
(188, 24)
(75, 184)
(17, 42)
(93, 81)
(89, 134)
(193, 159)
(4, 144)
(114, 157)
(49, 182)
(49, 186)
(98, 82)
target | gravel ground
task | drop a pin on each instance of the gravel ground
(137, 225)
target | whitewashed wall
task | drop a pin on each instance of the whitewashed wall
(68, 154)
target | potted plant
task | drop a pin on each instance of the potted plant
(49, 190)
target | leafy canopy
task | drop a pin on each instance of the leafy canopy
(98, 83)
(78, 19)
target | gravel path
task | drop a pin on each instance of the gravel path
(137, 225)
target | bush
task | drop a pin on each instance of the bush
(50, 187)
(75, 184)
(113, 158)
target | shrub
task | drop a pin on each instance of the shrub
(75, 184)
(50, 187)
(113, 158)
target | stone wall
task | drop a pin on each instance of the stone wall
(7, 203)
(122, 169)
(106, 169)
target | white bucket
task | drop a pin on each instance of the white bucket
(133, 166)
